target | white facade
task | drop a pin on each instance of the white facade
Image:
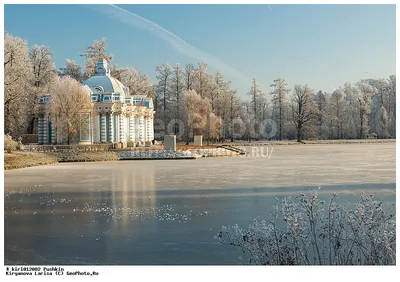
(117, 117)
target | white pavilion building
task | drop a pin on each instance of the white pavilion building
(117, 117)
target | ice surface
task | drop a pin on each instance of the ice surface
(167, 212)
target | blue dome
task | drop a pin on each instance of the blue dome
(102, 82)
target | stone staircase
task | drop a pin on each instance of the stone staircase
(233, 148)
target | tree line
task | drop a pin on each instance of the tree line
(191, 100)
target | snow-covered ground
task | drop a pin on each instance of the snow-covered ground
(156, 154)
(167, 212)
(168, 154)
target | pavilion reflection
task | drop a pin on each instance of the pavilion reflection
(133, 192)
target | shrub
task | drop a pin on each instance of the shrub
(307, 231)
(19, 145)
(29, 138)
(9, 144)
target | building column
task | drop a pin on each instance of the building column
(131, 128)
(121, 128)
(59, 131)
(53, 131)
(45, 127)
(111, 127)
(137, 129)
(41, 130)
(150, 129)
(103, 128)
(145, 130)
(141, 128)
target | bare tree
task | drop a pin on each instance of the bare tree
(70, 102)
(304, 108)
(95, 52)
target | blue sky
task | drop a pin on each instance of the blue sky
(320, 45)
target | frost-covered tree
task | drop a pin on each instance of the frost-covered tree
(320, 100)
(338, 114)
(304, 108)
(95, 52)
(279, 100)
(233, 103)
(17, 84)
(43, 66)
(384, 96)
(246, 115)
(162, 94)
(350, 95)
(257, 101)
(71, 69)
(177, 88)
(391, 101)
(189, 76)
(219, 99)
(364, 93)
(138, 83)
(202, 80)
(70, 102)
(44, 75)
(213, 128)
(382, 123)
(217, 87)
(196, 113)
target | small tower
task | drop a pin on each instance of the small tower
(101, 68)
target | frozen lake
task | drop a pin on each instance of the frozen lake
(167, 212)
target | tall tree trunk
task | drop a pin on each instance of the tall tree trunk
(299, 126)
(280, 115)
(361, 125)
(298, 135)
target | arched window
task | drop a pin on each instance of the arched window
(98, 88)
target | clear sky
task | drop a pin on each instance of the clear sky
(320, 45)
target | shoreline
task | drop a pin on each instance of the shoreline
(23, 159)
(311, 142)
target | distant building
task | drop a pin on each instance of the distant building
(117, 117)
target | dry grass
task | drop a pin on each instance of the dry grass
(24, 159)
(16, 160)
